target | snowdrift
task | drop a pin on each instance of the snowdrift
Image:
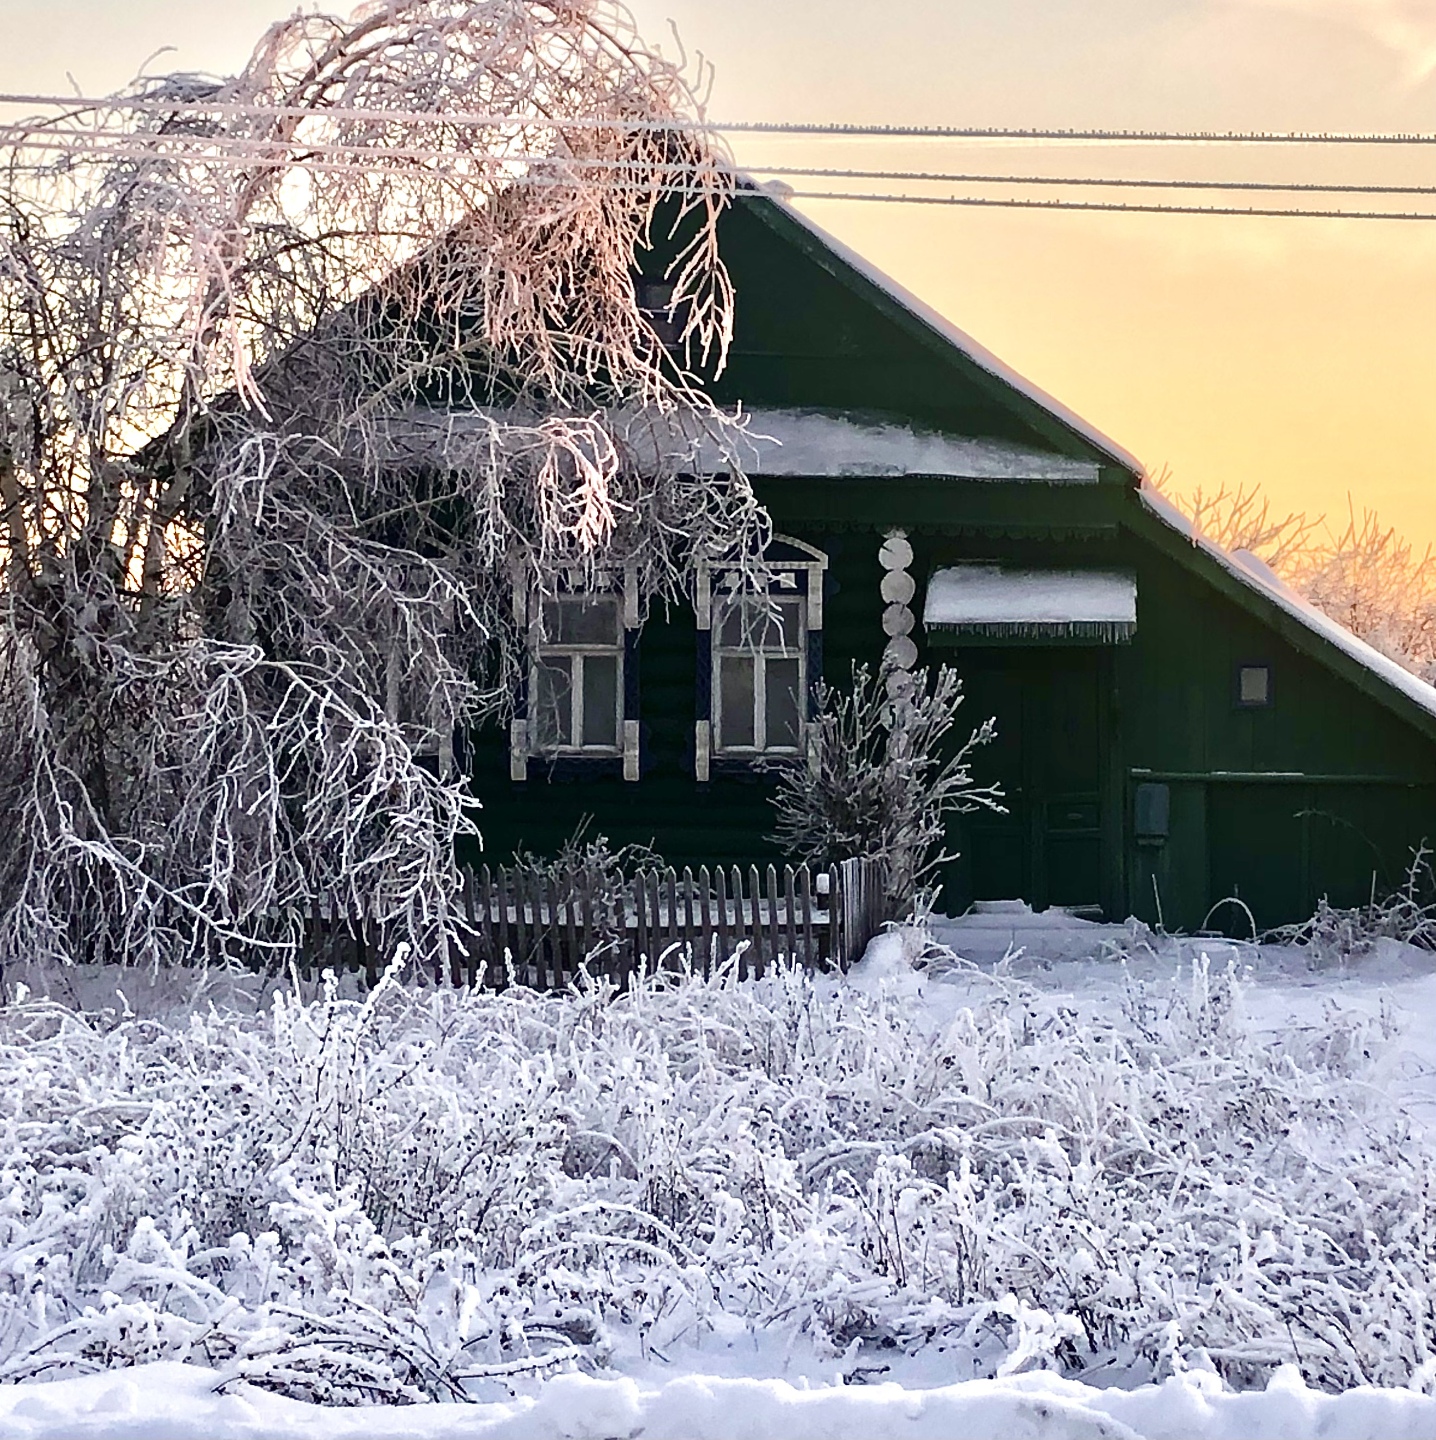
(166, 1401)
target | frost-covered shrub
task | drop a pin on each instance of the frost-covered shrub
(1335, 933)
(884, 773)
(386, 1198)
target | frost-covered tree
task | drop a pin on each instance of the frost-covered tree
(884, 774)
(301, 373)
(1364, 574)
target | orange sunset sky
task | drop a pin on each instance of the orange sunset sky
(1300, 354)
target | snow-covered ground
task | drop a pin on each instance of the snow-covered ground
(166, 1401)
(1038, 1179)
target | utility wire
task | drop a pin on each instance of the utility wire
(212, 149)
(238, 151)
(1113, 206)
(202, 149)
(215, 105)
(938, 177)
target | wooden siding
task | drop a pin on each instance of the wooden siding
(1324, 793)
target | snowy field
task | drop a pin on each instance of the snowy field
(1103, 1187)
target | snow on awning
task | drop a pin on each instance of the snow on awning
(992, 602)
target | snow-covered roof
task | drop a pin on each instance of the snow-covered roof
(946, 330)
(997, 602)
(777, 443)
(812, 442)
(1259, 577)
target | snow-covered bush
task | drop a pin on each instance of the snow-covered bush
(1337, 932)
(884, 775)
(387, 1198)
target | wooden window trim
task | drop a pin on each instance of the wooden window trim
(794, 649)
(805, 570)
(622, 589)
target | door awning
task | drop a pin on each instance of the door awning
(993, 603)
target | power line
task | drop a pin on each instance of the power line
(237, 151)
(206, 149)
(1113, 206)
(214, 105)
(227, 149)
(939, 177)
(1143, 137)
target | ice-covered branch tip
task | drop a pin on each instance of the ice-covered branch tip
(301, 373)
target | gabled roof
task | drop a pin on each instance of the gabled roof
(1037, 408)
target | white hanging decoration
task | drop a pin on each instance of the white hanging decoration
(896, 551)
(898, 588)
(897, 620)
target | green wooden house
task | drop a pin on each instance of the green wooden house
(1174, 726)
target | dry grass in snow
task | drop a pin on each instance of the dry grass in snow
(447, 1194)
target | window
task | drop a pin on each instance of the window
(1253, 686)
(759, 673)
(576, 676)
(655, 300)
(760, 654)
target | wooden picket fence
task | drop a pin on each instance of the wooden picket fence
(539, 928)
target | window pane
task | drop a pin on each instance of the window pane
(759, 623)
(1254, 685)
(551, 704)
(784, 630)
(783, 711)
(581, 620)
(735, 624)
(735, 698)
(600, 700)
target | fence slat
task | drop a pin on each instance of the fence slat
(490, 930)
(706, 899)
(742, 930)
(775, 933)
(549, 933)
(805, 884)
(617, 961)
(580, 940)
(755, 892)
(523, 953)
(673, 936)
(655, 900)
(640, 918)
(689, 925)
(316, 949)
(725, 950)
(790, 905)
(471, 940)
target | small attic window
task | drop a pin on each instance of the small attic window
(1253, 686)
(655, 299)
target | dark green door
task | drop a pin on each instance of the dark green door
(1051, 723)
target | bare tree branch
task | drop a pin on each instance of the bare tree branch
(301, 372)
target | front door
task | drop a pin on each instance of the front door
(1048, 757)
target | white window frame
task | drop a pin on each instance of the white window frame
(528, 604)
(792, 648)
(800, 578)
